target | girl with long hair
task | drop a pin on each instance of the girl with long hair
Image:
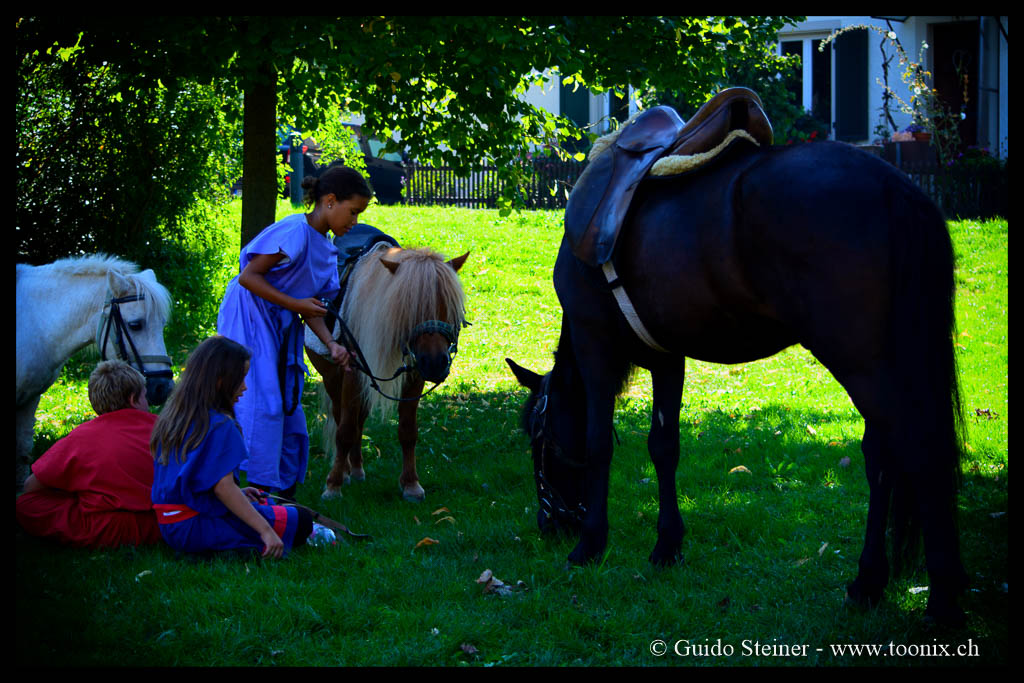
(197, 445)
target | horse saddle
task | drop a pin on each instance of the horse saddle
(602, 195)
(352, 246)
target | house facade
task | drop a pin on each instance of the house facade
(842, 86)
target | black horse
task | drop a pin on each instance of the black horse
(821, 245)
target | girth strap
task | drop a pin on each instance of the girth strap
(626, 306)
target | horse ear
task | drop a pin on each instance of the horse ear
(529, 379)
(457, 262)
(390, 265)
(117, 283)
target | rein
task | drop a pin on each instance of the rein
(317, 517)
(348, 340)
(115, 321)
(551, 501)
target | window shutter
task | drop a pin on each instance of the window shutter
(851, 51)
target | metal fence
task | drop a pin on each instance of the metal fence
(961, 192)
(964, 192)
(550, 182)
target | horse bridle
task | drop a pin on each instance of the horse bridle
(115, 321)
(551, 501)
(348, 340)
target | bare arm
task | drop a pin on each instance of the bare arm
(253, 278)
(227, 492)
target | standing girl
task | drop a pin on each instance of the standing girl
(285, 271)
(196, 446)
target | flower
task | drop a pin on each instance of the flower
(914, 128)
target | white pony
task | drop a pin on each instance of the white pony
(66, 305)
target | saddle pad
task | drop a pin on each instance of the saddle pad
(676, 165)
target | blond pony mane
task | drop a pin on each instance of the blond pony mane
(382, 309)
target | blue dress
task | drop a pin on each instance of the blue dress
(190, 484)
(277, 443)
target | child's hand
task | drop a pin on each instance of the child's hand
(253, 494)
(309, 308)
(339, 354)
(273, 545)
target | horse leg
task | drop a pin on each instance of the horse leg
(407, 435)
(24, 428)
(600, 383)
(345, 412)
(355, 454)
(873, 575)
(663, 446)
(935, 499)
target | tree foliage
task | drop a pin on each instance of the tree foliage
(450, 87)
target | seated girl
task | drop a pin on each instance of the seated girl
(197, 446)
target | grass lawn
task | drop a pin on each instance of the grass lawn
(768, 553)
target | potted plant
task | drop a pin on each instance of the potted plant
(919, 132)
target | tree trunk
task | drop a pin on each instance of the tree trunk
(259, 143)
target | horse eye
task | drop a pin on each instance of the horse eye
(136, 325)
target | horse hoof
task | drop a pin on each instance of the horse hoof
(861, 598)
(358, 474)
(414, 493)
(330, 494)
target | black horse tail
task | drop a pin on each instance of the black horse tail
(924, 332)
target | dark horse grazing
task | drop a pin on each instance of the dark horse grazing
(819, 244)
(405, 308)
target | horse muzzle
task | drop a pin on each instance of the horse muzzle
(158, 389)
(433, 346)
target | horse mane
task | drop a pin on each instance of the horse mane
(98, 265)
(382, 309)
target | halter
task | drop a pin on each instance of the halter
(114, 321)
(348, 340)
(551, 501)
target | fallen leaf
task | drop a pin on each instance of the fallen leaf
(918, 589)
(468, 649)
(739, 468)
(492, 584)
(801, 561)
(426, 541)
(822, 548)
(439, 511)
(445, 519)
(416, 519)
(811, 431)
(143, 573)
(845, 461)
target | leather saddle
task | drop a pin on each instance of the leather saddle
(352, 246)
(602, 195)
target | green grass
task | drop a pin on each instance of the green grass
(768, 552)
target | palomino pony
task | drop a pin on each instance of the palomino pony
(66, 305)
(765, 247)
(405, 308)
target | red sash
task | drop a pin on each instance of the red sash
(169, 513)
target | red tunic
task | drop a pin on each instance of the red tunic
(98, 480)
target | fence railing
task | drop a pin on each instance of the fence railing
(964, 192)
(550, 182)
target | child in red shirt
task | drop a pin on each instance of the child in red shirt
(92, 488)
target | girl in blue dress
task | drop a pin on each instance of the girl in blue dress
(197, 446)
(284, 273)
